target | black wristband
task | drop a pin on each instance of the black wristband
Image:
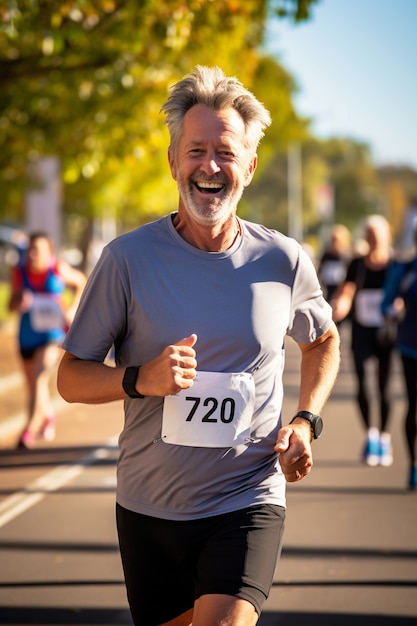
(316, 423)
(129, 381)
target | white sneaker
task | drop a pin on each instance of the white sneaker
(385, 450)
(370, 454)
(49, 429)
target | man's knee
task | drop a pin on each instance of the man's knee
(225, 610)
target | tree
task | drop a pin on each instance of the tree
(343, 164)
(85, 79)
(399, 186)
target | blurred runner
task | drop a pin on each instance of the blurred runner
(37, 293)
(402, 283)
(361, 295)
(334, 260)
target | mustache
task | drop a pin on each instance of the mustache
(209, 179)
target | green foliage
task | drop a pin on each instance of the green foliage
(85, 79)
(343, 164)
(4, 299)
(351, 173)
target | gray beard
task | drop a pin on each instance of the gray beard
(213, 212)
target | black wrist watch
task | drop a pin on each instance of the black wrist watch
(129, 382)
(316, 423)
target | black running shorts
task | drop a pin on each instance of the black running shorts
(170, 564)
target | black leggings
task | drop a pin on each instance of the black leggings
(365, 346)
(410, 378)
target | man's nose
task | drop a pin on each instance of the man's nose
(210, 165)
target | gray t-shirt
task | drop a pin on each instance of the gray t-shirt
(151, 288)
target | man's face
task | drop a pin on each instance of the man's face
(212, 165)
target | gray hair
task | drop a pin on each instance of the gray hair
(211, 87)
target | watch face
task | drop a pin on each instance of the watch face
(316, 422)
(318, 426)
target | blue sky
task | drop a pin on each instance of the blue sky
(355, 63)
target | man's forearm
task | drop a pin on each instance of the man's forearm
(319, 368)
(89, 382)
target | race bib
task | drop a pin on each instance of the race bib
(332, 272)
(46, 314)
(216, 412)
(368, 307)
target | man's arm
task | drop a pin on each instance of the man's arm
(91, 382)
(320, 362)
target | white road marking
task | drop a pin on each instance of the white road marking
(36, 491)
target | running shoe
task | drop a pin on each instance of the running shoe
(27, 440)
(49, 428)
(385, 450)
(371, 452)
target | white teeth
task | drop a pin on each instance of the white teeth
(210, 185)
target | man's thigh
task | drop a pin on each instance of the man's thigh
(158, 567)
(168, 565)
(239, 557)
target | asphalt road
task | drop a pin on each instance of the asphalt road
(350, 555)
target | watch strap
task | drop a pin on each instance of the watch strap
(129, 382)
(309, 417)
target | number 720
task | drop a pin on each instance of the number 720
(226, 409)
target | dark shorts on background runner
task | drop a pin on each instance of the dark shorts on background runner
(169, 564)
(27, 354)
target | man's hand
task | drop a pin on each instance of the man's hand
(170, 372)
(294, 449)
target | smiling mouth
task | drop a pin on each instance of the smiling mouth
(211, 187)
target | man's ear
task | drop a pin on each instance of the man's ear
(251, 170)
(172, 164)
